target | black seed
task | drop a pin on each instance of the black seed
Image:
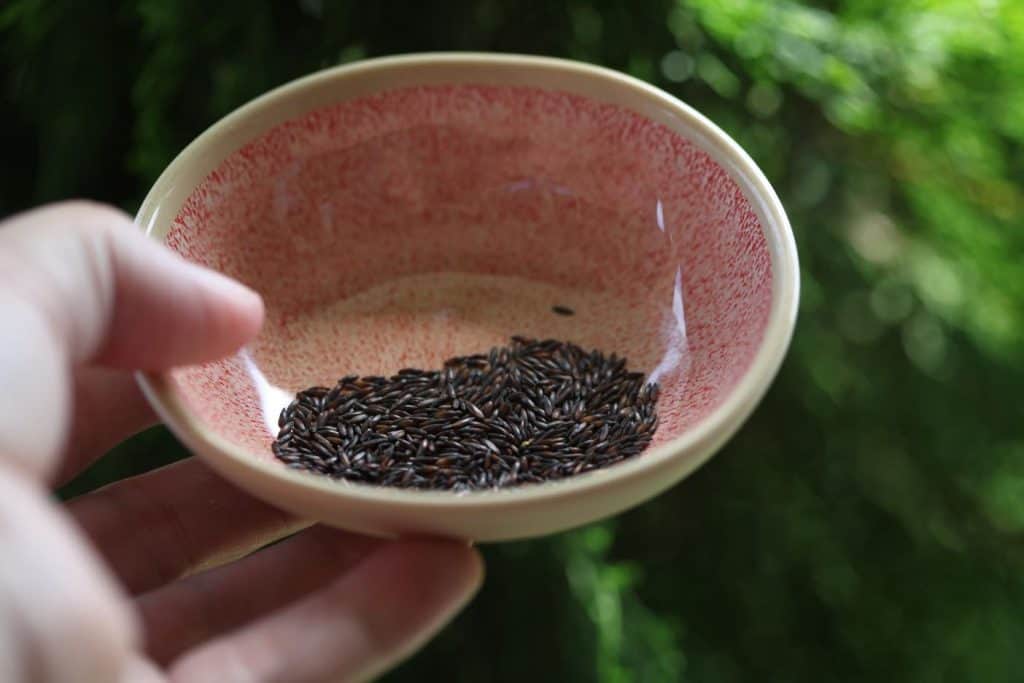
(520, 414)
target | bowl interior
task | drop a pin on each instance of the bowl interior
(403, 227)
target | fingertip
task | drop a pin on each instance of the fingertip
(421, 584)
(238, 309)
(474, 571)
(449, 564)
(469, 562)
(230, 291)
(479, 568)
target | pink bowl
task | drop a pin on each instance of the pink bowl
(400, 211)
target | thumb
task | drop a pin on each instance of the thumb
(79, 284)
(109, 294)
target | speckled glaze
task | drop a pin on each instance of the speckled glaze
(402, 211)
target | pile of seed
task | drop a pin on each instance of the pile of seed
(525, 413)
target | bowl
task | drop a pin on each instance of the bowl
(399, 211)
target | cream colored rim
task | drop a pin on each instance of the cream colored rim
(698, 443)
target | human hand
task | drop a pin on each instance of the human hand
(151, 578)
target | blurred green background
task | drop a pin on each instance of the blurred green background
(868, 522)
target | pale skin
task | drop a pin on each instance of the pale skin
(154, 578)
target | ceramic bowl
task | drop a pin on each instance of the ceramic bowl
(400, 211)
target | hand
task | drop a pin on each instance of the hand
(151, 578)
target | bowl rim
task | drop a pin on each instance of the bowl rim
(699, 442)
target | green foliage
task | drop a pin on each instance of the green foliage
(868, 523)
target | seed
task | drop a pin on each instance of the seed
(520, 414)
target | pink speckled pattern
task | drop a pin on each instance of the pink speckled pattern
(403, 228)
